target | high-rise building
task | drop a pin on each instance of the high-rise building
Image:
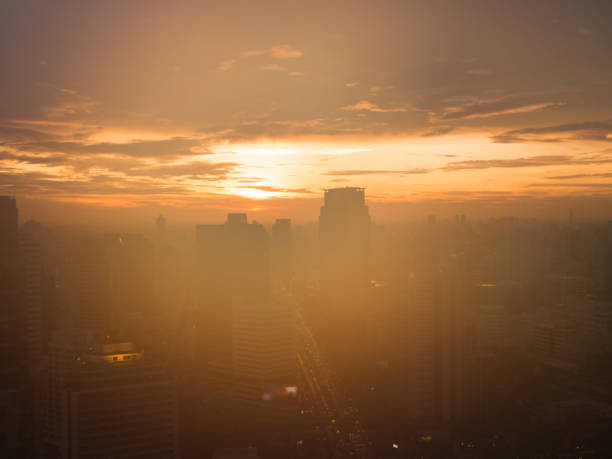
(281, 252)
(105, 398)
(132, 271)
(9, 236)
(12, 346)
(264, 357)
(430, 347)
(344, 245)
(233, 260)
(31, 260)
(344, 242)
(84, 291)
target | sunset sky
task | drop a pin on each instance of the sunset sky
(127, 109)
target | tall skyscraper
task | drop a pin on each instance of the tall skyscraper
(281, 253)
(132, 272)
(9, 236)
(12, 341)
(264, 357)
(344, 245)
(430, 348)
(85, 285)
(233, 260)
(106, 398)
(30, 250)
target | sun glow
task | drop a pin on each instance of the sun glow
(253, 193)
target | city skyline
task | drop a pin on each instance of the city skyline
(352, 229)
(120, 113)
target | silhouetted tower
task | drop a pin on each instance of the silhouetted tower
(344, 242)
(132, 276)
(233, 260)
(8, 231)
(430, 346)
(12, 356)
(160, 230)
(31, 260)
(160, 224)
(84, 294)
(264, 358)
(281, 252)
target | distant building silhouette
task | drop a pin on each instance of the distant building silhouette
(132, 274)
(233, 260)
(344, 246)
(12, 337)
(344, 242)
(281, 252)
(9, 235)
(30, 248)
(84, 294)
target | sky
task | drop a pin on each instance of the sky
(122, 110)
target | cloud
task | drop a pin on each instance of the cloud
(273, 189)
(365, 105)
(572, 184)
(226, 65)
(32, 159)
(193, 169)
(284, 52)
(378, 172)
(488, 108)
(70, 104)
(533, 161)
(273, 67)
(176, 146)
(351, 84)
(589, 130)
(296, 74)
(437, 131)
(580, 176)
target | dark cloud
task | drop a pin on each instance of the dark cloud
(199, 169)
(579, 176)
(572, 184)
(533, 161)
(176, 146)
(590, 130)
(18, 135)
(437, 131)
(101, 184)
(31, 159)
(489, 108)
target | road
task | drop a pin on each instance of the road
(337, 418)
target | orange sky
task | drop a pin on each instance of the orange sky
(126, 110)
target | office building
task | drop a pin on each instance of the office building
(264, 357)
(106, 398)
(344, 243)
(232, 260)
(30, 249)
(281, 253)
